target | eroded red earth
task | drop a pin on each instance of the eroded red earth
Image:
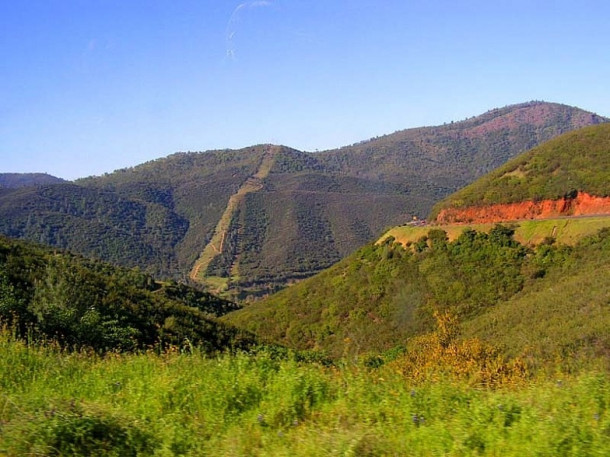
(581, 205)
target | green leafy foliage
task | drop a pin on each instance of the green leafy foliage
(70, 431)
(563, 313)
(385, 294)
(81, 303)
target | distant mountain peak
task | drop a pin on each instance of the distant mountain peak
(15, 180)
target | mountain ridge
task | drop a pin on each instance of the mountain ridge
(312, 209)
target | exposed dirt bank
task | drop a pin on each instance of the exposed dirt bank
(581, 205)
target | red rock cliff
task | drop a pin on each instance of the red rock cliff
(582, 204)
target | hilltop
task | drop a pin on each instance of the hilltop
(565, 176)
(248, 222)
(457, 153)
(14, 180)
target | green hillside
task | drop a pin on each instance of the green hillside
(563, 230)
(384, 294)
(253, 220)
(567, 312)
(502, 283)
(47, 295)
(576, 161)
(96, 222)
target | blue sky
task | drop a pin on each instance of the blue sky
(90, 86)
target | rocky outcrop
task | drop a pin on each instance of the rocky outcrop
(580, 205)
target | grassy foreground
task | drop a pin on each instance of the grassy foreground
(58, 403)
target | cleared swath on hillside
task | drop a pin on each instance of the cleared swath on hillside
(311, 210)
(215, 247)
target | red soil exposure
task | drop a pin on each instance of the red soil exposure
(581, 205)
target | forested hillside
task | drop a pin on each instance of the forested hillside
(575, 162)
(527, 300)
(250, 221)
(47, 295)
(455, 154)
(544, 298)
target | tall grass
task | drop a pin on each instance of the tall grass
(58, 403)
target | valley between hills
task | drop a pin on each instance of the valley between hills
(437, 291)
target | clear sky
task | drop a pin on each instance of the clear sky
(90, 86)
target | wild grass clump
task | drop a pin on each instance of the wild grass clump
(71, 430)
